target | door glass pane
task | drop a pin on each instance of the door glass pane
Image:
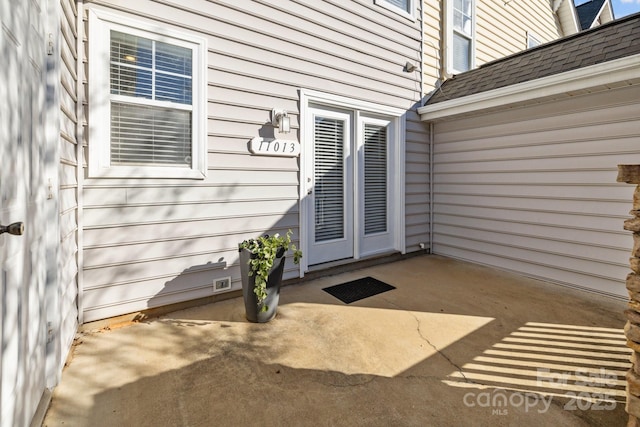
(329, 178)
(375, 179)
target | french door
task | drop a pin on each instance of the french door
(349, 184)
(331, 193)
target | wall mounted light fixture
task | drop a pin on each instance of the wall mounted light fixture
(409, 67)
(281, 120)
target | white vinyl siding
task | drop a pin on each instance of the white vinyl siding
(568, 19)
(70, 170)
(147, 81)
(150, 242)
(500, 30)
(534, 190)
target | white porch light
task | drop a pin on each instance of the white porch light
(281, 120)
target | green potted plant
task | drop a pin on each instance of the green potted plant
(261, 267)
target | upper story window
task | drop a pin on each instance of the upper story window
(532, 40)
(460, 35)
(405, 8)
(146, 101)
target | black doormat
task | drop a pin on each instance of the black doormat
(358, 289)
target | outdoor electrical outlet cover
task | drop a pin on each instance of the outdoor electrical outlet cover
(222, 284)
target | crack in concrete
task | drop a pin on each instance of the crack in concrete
(425, 339)
(441, 353)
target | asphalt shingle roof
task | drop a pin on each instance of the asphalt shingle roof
(587, 12)
(614, 40)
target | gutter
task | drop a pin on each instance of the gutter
(618, 70)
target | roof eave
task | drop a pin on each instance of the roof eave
(618, 70)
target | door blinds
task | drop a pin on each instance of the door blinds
(375, 179)
(329, 179)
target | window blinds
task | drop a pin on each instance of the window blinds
(150, 135)
(141, 131)
(329, 179)
(375, 179)
(462, 34)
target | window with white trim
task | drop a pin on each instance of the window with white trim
(460, 35)
(532, 40)
(402, 7)
(146, 100)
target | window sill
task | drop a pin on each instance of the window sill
(146, 172)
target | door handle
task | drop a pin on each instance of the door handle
(17, 228)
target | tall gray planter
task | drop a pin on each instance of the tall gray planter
(253, 311)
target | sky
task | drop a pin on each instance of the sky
(620, 7)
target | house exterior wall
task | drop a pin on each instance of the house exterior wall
(500, 30)
(68, 175)
(433, 41)
(533, 189)
(607, 14)
(154, 242)
(567, 18)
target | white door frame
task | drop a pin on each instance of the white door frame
(342, 247)
(396, 173)
(380, 241)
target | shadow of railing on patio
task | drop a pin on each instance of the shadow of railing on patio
(584, 365)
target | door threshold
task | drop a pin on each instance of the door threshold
(330, 264)
(349, 264)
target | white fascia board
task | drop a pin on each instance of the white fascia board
(584, 78)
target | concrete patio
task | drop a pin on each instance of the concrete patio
(455, 344)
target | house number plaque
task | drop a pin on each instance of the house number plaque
(274, 147)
